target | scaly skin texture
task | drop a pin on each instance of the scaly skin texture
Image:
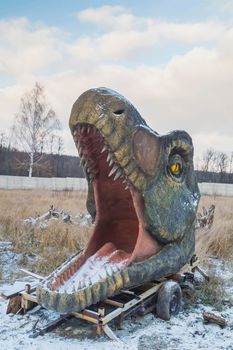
(169, 200)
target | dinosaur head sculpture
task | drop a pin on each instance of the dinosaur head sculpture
(142, 196)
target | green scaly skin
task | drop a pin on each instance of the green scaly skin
(170, 202)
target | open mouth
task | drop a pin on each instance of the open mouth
(119, 237)
(141, 191)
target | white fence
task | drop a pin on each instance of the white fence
(68, 183)
(215, 189)
(52, 183)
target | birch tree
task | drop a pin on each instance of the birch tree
(33, 125)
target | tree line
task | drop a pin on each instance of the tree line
(14, 162)
(216, 161)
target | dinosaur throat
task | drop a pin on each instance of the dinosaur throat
(119, 237)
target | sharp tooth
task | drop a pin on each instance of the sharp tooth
(75, 132)
(114, 169)
(109, 157)
(124, 181)
(109, 271)
(114, 268)
(83, 162)
(102, 274)
(118, 174)
(104, 149)
(126, 188)
(88, 129)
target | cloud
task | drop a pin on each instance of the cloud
(125, 35)
(192, 91)
(26, 47)
(226, 6)
(112, 17)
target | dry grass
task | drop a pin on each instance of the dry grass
(218, 240)
(52, 245)
(210, 292)
(60, 240)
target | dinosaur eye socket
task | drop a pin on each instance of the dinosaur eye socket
(175, 166)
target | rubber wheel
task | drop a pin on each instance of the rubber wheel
(169, 300)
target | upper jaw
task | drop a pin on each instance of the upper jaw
(118, 151)
(115, 119)
(107, 174)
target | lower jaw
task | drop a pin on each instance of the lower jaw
(105, 272)
(61, 292)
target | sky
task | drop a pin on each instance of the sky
(173, 59)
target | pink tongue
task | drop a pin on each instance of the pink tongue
(113, 254)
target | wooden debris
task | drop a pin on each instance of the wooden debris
(35, 275)
(14, 305)
(57, 214)
(209, 317)
(206, 218)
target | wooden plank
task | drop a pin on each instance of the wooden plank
(212, 318)
(130, 304)
(16, 293)
(35, 275)
(113, 303)
(107, 330)
(51, 325)
(85, 317)
(29, 297)
(91, 313)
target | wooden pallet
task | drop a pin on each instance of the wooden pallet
(141, 299)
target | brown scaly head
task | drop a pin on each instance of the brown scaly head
(142, 195)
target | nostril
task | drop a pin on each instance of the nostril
(119, 112)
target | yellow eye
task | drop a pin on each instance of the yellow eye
(175, 168)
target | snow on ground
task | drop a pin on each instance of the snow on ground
(184, 332)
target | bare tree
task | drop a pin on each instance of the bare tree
(2, 139)
(231, 163)
(222, 162)
(208, 159)
(52, 139)
(60, 145)
(33, 125)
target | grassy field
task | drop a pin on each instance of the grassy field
(60, 240)
(52, 245)
(218, 240)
